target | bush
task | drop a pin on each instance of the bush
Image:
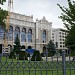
(22, 55)
(28, 54)
(51, 53)
(42, 54)
(12, 55)
(36, 56)
(16, 49)
(60, 51)
(72, 52)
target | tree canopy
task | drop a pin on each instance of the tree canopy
(51, 48)
(17, 41)
(3, 15)
(68, 18)
(68, 15)
(2, 1)
(17, 45)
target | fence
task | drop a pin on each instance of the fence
(51, 66)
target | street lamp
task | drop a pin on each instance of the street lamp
(35, 35)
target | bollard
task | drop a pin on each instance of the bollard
(63, 62)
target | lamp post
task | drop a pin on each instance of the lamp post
(35, 35)
(46, 53)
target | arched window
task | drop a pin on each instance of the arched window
(23, 35)
(17, 31)
(10, 33)
(29, 35)
(1, 33)
(44, 36)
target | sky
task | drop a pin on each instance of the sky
(39, 8)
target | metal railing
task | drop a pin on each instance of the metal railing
(49, 66)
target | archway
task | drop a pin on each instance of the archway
(44, 49)
(29, 47)
(23, 47)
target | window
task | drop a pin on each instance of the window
(60, 42)
(10, 33)
(60, 39)
(53, 39)
(65, 33)
(63, 36)
(59, 32)
(23, 35)
(60, 45)
(52, 36)
(63, 40)
(44, 36)
(29, 35)
(62, 33)
(17, 31)
(1, 33)
(56, 44)
(52, 33)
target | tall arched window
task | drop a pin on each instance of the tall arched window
(10, 33)
(17, 31)
(29, 35)
(1, 33)
(44, 36)
(23, 35)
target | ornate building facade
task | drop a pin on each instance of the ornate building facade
(35, 34)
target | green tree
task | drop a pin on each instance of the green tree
(68, 18)
(70, 40)
(36, 56)
(3, 15)
(2, 1)
(17, 41)
(51, 48)
(68, 15)
(17, 44)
